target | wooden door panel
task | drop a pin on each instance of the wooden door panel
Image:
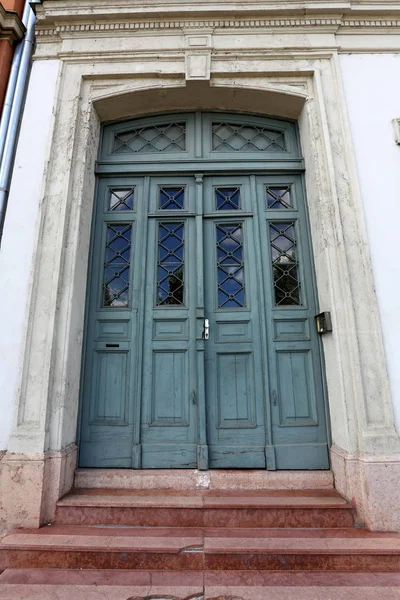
(296, 392)
(235, 390)
(170, 392)
(110, 376)
(233, 372)
(169, 413)
(299, 432)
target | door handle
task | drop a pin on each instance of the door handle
(206, 329)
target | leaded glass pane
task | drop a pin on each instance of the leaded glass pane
(278, 198)
(230, 266)
(172, 198)
(285, 264)
(121, 199)
(227, 198)
(169, 137)
(117, 266)
(170, 264)
(234, 137)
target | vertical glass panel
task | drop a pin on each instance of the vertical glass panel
(117, 266)
(285, 264)
(227, 198)
(121, 199)
(170, 263)
(172, 198)
(278, 198)
(230, 266)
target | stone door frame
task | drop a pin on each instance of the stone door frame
(307, 88)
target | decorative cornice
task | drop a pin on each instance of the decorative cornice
(103, 27)
(11, 27)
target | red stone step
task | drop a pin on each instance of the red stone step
(198, 549)
(48, 584)
(205, 508)
(214, 479)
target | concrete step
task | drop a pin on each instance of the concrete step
(201, 549)
(48, 584)
(191, 479)
(205, 508)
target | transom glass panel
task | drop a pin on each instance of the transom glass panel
(169, 137)
(117, 266)
(170, 264)
(285, 264)
(236, 137)
(230, 266)
(227, 198)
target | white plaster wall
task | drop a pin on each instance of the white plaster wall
(372, 89)
(20, 232)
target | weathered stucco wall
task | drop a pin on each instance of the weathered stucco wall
(20, 232)
(372, 89)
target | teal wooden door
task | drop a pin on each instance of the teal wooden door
(200, 346)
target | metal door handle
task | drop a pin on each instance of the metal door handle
(206, 329)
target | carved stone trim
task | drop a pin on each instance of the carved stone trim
(11, 27)
(107, 26)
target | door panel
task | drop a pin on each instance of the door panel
(169, 415)
(109, 382)
(234, 384)
(298, 419)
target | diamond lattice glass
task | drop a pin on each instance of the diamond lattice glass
(278, 198)
(117, 266)
(230, 266)
(170, 264)
(285, 264)
(234, 137)
(172, 198)
(169, 137)
(227, 198)
(121, 200)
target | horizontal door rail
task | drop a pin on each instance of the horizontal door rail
(202, 166)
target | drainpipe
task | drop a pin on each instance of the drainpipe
(13, 107)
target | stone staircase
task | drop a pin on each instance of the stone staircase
(207, 539)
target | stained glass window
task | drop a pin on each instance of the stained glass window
(227, 198)
(117, 266)
(236, 137)
(169, 137)
(230, 266)
(285, 264)
(170, 263)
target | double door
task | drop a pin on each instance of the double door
(200, 346)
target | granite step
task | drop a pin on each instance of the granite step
(47, 584)
(200, 549)
(205, 508)
(192, 479)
